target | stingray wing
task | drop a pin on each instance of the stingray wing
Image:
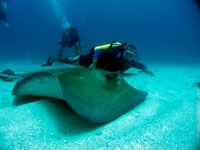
(87, 92)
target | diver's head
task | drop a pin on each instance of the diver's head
(130, 53)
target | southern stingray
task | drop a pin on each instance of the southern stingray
(93, 94)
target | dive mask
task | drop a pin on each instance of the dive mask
(129, 54)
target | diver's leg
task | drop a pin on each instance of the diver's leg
(77, 48)
(68, 60)
(48, 63)
(51, 59)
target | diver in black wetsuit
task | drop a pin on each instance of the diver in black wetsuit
(114, 57)
(118, 59)
(3, 12)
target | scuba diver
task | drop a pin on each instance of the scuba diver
(70, 38)
(3, 12)
(114, 57)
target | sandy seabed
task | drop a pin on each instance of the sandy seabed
(169, 118)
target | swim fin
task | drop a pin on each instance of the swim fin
(48, 63)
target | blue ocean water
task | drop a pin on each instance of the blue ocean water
(161, 30)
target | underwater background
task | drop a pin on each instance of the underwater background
(162, 30)
(167, 36)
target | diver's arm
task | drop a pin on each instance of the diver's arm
(141, 66)
(94, 63)
(138, 65)
(95, 58)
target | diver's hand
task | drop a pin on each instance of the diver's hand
(113, 76)
(149, 72)
(92, 66)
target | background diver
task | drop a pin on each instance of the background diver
(3, 12)
(114, 57)
(70, 38)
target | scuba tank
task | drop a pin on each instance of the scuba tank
(108, 46)
(112, 45)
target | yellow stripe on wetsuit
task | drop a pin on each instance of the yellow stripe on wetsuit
(107, 46)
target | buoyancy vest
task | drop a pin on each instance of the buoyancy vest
(113, 45)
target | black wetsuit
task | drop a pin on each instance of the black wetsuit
(110, 60)
(70, 37)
